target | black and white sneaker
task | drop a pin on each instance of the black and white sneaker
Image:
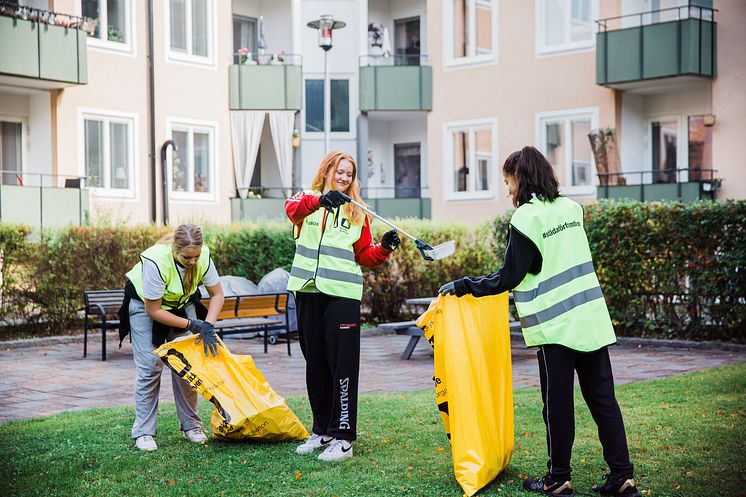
(338, 450)
(624, 487)
(546, 485)
(314, 442)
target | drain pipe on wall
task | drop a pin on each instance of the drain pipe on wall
(164, 173)
(151, 120)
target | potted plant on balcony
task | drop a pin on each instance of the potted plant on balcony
(296, 138)
(243, 54)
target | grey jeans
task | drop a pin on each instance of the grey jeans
(148, 369)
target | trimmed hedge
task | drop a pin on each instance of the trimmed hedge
(667, 269)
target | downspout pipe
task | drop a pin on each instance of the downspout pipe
(164, 174)
(151, 121)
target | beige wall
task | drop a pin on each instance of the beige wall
(512, 91)
(729, 99)
(118, 82)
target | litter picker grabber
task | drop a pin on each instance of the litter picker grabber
(428, 253)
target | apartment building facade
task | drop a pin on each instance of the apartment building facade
(233, 104)
(429, 96)
(665, 79)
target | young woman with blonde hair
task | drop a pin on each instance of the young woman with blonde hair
(162, 303)
(332, 241)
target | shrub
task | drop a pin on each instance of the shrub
(15, 250)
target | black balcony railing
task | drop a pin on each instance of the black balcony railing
(393, 60)
(51, 18)
(267, 59)
(667, 184)
(658, 16)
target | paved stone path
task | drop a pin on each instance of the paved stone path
(44, 380)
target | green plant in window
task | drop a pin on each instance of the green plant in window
(113, 34)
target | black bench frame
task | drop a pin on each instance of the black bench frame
(101, 307)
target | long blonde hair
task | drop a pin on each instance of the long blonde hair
(185, 236)
(354, 213)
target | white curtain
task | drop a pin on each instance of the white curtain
(281, 126)
(246, 133)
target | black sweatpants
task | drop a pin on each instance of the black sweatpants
(557, 366)
(329, 332)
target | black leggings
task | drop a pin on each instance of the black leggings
(329, 330)
(557, 366)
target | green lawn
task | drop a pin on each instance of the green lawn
(687, 437)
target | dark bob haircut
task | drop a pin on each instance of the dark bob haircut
(534, 175)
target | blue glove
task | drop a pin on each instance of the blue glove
(207, 335)
(448, 289)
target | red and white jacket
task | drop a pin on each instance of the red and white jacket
(367, 253)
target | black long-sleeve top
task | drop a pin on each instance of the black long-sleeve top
(521, 257)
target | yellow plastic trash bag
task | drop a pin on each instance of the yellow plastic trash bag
(246, 407)
(473, 383)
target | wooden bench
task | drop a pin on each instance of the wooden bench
(261, 312)
(101, 307)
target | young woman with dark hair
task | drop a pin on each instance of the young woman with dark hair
(563, 312)
(333, 241)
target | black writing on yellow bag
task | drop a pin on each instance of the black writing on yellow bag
(473, 383)
(246, 407)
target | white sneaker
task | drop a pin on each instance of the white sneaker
(338, 450)
(195, 436)
(146, 443)
(312, 443)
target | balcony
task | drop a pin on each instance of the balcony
(266, 82)
(684, 185)
(42, 49)
(395, 83)
(268, 203)
(677, 43)
(43, 200)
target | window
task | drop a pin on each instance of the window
(108, 154)
(469, 168)
(564, 25)
(11, 150)
(190, 30)
(244, 34)
(340, 105)
(563, 137)
(407, 41)
(193, 166)
(700, 149)
(113, 28)
(471, 31)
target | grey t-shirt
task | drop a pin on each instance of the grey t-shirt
(153, 286)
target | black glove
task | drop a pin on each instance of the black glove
(332, 199)
(207, 335)
(390, 240)
(448, 289)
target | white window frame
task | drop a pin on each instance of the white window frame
(568, 115)
(104, 44)
(477, 59)
(544, 50)
(24, 141)
(190, 126)
(188, 58)
(682, 145)
(449, 191)
(352, 108)
(109, 116)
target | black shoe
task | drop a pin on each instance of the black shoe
(617, 486)
(548, 486)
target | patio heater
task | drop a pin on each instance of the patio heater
(325, 25)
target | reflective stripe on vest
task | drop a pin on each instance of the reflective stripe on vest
(563, 304)
(327, 258)
(161, 254)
